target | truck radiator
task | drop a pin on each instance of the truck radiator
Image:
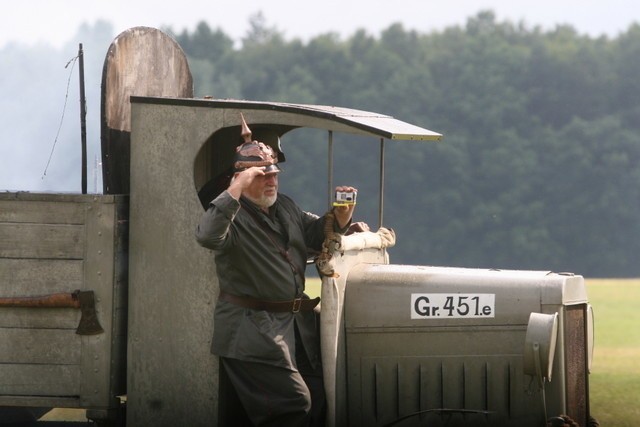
(576, 375)
(475, 390)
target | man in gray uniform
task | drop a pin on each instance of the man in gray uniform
(266, 330)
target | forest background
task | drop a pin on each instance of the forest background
(539, 167)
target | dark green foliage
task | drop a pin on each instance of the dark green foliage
(540, 164)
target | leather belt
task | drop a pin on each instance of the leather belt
(293, 306)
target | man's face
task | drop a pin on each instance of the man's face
(263, 190)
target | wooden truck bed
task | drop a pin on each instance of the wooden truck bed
(58, 244)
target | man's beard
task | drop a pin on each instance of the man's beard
(263, 201)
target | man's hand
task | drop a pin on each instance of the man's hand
(242, 180)
(344, 213)
(357, 227)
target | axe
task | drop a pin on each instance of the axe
(84, 300)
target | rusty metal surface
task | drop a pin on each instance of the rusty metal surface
(576, 359)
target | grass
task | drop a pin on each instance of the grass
(614, 382)
(312, 287)
(65, 414)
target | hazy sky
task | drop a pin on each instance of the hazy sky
(56, 21)
(39, 146)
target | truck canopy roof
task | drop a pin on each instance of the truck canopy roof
(314, 116)
(271, 120)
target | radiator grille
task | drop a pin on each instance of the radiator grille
(472, 390)
(576, 363)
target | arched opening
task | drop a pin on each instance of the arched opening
(212, 169)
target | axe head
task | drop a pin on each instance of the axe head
(89, 324)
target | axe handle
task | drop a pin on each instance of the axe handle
(59, 300)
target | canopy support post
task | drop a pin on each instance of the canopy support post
(381, 189)
(330, 170)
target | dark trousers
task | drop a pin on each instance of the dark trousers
(271, 395)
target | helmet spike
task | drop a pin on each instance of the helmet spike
(253, 153)
(245, 131)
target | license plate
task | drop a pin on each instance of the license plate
(452, 306)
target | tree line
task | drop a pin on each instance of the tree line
(539, 167)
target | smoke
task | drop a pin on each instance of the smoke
(40, 145)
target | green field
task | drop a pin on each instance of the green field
(615, 374)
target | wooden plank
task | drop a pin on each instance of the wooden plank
(44, 212)
(41, 318)
(39, 380)
(41, 241)
(54, 197)
(31, 277)
(40, 401)
(39, 346)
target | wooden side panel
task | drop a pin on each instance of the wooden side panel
(43, 212)
(39, 276)
(53, 243)
(18, 240)
(40, 346)
(32, 380)
(33, 319)
(42, 245)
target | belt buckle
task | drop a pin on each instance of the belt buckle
(297, 304)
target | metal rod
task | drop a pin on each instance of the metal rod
(330, 171)
(83, 121)
(381, 203)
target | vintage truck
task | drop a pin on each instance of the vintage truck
(106, 300)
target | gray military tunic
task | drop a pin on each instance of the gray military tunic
(249, 264)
